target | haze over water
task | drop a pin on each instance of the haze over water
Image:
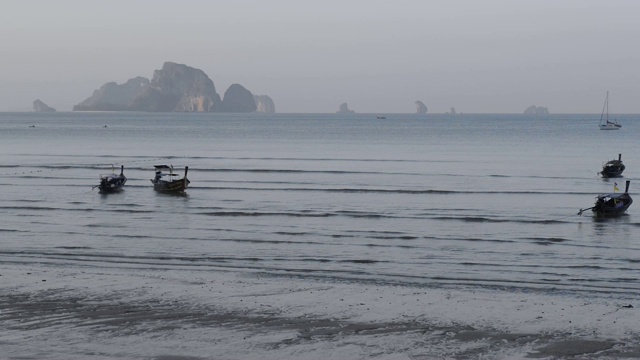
(462, 202)
(493, 56)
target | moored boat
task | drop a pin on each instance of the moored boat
(605, 123)
(613, 168)
(166, 181)
(610, 126)
(112, 182)
(610, 205)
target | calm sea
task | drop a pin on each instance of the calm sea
(458, 200)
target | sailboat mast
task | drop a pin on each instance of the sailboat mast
(605, 106)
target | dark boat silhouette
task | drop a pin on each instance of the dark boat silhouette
(111, 182)
(613, 168)
(168, 181)
(613, 204)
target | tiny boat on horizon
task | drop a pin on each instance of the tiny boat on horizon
(169, 182)
(111, 182)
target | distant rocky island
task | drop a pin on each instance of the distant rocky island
(536, 110)
(174, 88)
(40, 106)
(344, 109)
(264, 104)
(421, 108)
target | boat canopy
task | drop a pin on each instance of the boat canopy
(611, 196)
(162, 167)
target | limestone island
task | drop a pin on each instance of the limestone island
(40, 106)
(174, 88)
(421, 108)
(344, 109)
(536, 110)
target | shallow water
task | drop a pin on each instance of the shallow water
(471, 199)
(462, 201)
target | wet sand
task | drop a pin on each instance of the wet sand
(49, 312)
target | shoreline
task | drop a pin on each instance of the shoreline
(116, 312)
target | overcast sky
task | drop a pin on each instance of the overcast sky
(489, 56)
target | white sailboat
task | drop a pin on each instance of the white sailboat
(605, 123)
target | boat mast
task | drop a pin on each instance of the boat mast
(605, 106)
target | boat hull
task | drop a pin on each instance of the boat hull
(167, 182)
(175, 186)
(612, 172)
(612, 207)
(111, 184)
(613, 168)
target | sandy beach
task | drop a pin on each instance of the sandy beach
(49, 312)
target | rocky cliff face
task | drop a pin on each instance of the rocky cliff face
(154, 100)
(191, 87)
(421, 108)
(237, 99)
(114, 97)
(264, 104)
(40, 106)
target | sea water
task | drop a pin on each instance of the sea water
(458, 201)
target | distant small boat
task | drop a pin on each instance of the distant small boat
(609, 205)
(613, 168)
(112, 182)
(169, 182)
(607, 125)
(381, 117)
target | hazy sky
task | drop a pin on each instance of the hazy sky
(479, 56)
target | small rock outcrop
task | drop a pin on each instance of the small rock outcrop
(344, 109)
(536, 110)
(264, 104)
(40, 106)
(421, 108)
(237, 99)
